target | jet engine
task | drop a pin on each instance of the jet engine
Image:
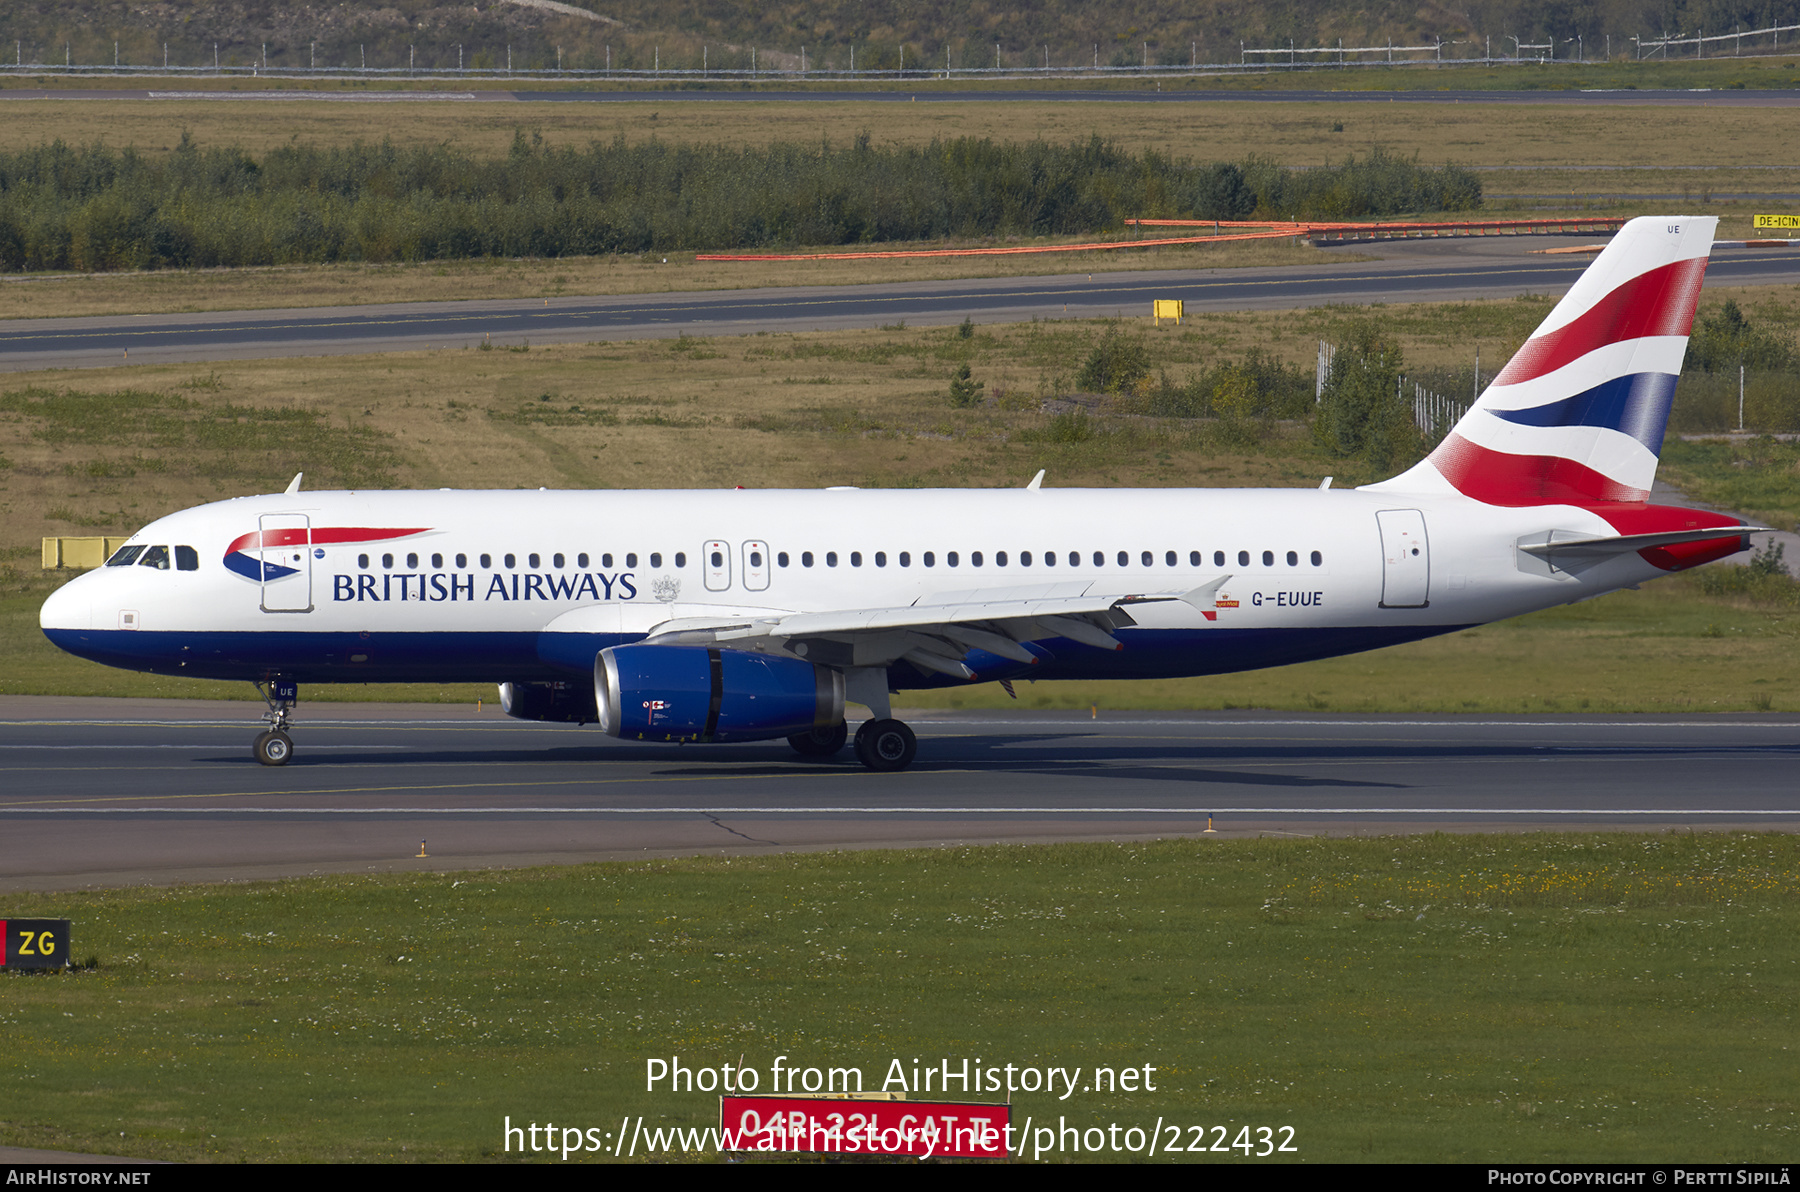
(702, 693)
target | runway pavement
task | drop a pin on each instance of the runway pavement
(107, 793)
(1410, 271)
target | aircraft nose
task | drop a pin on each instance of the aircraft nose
(69, 607)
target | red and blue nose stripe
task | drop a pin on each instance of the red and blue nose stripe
(240, 556)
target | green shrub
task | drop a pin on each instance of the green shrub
(1116, 364)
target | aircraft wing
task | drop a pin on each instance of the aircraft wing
(937, 633)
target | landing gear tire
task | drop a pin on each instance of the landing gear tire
(886, 745)
(273, 749)
(820, 742)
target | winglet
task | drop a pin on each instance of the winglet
(294, 484)
(1037, 482)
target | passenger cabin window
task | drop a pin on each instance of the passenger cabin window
(631, 559)
(511, 562)
(831, 558)
(487, 561)
(856, 558)
(1268, 558)
(388, 561)
(656, 558)
(437, 562)
(906, 558)
(806, 559)
(581, 560)
(462, 562)
(1218, 558)
(781, 560)
(412, 561)
(605, 561)
(930, 559)
(530, 559)
(187, 559)
(1317, 558)
(1243, 558)
(681, 558)
(1293, 558)
(881, 558)
(999, 558)
(362, 561)
(556, 560)
(125, 556)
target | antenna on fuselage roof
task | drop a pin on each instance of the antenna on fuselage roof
(294, 484)
(1037, 482)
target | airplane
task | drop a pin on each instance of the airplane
(739, 615)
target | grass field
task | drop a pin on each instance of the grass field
(1452, 999)
(1539, 137)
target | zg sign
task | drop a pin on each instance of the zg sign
(35, 943)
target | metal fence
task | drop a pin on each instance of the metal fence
(1035, 63)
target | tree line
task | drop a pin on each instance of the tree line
(93, 208)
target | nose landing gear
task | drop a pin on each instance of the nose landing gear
(274, 747)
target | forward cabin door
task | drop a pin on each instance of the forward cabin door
(1406, 559)
(286, 554)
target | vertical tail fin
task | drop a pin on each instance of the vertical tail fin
(1578, 415)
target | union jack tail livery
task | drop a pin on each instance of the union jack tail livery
(1577, 416)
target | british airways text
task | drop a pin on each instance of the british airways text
(436, 586)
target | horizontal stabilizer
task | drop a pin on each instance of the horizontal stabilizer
(1621, 544)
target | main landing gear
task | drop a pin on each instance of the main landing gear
(881, 744)
(885, 745)
(820, 742)
(274, 747)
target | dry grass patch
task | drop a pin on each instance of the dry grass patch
(1543, 135)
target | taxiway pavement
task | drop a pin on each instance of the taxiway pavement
(109, 793)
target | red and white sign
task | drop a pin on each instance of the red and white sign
(854, 1127)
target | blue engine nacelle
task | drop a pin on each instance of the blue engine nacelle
(703, 693)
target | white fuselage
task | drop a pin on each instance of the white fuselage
(518, 585)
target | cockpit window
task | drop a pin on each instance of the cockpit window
(187, 559)
(125, 556)
(157, 557)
